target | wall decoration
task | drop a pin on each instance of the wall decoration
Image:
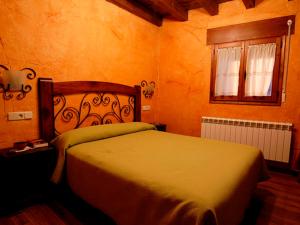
(148, 89)
(14, 81)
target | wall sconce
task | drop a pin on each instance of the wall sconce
(148, 89)
(14, 81)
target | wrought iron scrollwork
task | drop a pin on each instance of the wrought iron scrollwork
(85, 114)
(148, 89)
(25, 89)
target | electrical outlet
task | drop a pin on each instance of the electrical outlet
(146, 107)
(20, 115)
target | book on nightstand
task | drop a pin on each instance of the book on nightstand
(38, 143)
(25, 147)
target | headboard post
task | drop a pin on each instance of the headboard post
(46, 108)
(137, 104)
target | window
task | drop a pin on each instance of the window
(247, 72)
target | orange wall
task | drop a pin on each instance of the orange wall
(185, 69)
(72, 40)
(95, 40)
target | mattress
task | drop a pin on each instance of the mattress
(148, 177)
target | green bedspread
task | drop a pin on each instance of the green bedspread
(140, 176)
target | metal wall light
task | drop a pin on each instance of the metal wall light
(13, 81)
(148, 88)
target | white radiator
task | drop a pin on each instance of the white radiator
(273, 139)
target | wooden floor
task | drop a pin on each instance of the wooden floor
(276, 202)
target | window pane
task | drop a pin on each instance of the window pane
(227, 75)
(259, 69)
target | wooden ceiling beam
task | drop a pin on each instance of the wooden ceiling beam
(212, 7)
(194, 4)
(249, 3)
(221, 1)
(139, 10)
(175, 10)
(169, 8)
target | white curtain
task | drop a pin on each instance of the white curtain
(259, 70)
(227, 75)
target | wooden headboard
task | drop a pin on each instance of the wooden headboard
(93, 94)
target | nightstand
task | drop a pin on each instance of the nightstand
(24, 176)
(160, 126)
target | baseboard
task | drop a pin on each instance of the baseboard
(281, 167)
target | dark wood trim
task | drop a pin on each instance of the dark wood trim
(155, 10)
(281, 71)
(194, 4)
(277, 164)
(254, 30)
(139, 10)
(46, 108)
(137, 103)
(212, 7)
(249, 3)
(280, 167)
(222, 1)
(77, 87)
(48, 89)
(242, 71)
(212, 75)
(244, 103)
(169, 8)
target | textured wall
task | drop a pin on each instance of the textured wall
(185, 69)
(72, 40)
(95, 40)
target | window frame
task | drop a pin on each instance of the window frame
(275, 98)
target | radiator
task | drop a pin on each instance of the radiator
(273, 139)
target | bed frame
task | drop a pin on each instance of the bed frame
(52, 93)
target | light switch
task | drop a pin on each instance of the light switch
(146, 107)
(28, 115)
(20, 115)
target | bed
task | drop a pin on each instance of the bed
(136, 174)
